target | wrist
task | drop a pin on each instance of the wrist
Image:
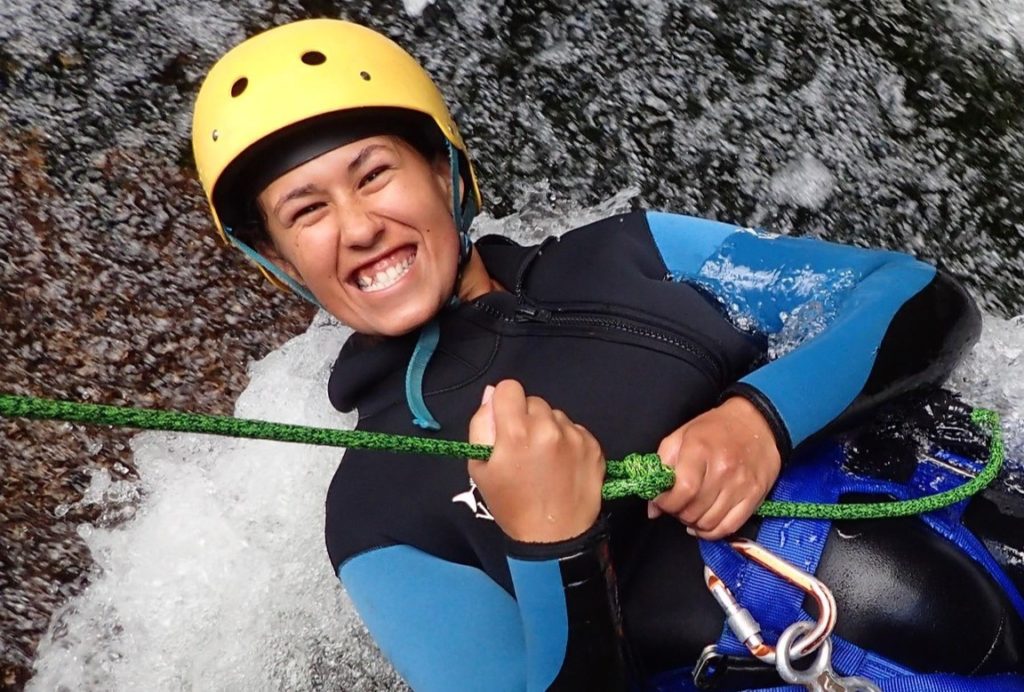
(585, 541)
(766, 412)
(550, 527)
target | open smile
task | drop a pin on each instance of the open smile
(386, 271)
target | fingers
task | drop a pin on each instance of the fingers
(669, 448)
(716, 488)
(481, 425)
(732, 521)
(689, 496)
(510, 410)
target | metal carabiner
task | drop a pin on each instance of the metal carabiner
(819, 676)
(743, 624)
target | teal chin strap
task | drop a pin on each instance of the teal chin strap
(426, 344)
(463, 215)
(259, 259)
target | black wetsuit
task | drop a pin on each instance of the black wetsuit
(634, 325)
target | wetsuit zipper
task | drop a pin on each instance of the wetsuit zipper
(613, 323)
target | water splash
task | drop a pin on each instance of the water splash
(416, 7)
(823, 293)
(804, 182)
(220, 581)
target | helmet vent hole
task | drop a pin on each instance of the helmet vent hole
(238, 87)
(314, 57)
(365, 75)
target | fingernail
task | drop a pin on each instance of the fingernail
(488, 393)
(689, 530)
(652, 511)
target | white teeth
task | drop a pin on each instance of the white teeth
(385, 277)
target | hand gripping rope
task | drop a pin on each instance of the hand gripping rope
(639, 475)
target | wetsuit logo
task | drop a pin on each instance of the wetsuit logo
(475, 501)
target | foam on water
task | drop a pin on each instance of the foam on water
(221, 580)
(416, 7)
(804, 182)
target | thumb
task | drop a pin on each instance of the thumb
(481, 425)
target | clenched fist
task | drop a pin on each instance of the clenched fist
(543, 481)
(726, 461)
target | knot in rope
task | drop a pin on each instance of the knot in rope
(642, 475)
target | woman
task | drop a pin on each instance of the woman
(330, 159)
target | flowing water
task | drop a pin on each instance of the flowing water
(177, 562)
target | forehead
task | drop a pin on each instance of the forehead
(342, 160)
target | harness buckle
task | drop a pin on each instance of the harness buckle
(705, 673)
(743, 624)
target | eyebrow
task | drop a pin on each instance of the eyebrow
(293, 194)
(310, 187)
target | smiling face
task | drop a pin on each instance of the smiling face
(368, 228)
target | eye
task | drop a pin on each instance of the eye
(306, 210)
(372, 175)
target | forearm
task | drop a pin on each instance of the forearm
(885, 342)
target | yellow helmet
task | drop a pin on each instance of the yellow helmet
(280, 97)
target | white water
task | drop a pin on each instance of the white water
(221, 580)
(416, 7)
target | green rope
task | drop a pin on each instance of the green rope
(640, 475)
(887, 510)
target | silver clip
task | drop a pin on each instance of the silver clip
(819, 676)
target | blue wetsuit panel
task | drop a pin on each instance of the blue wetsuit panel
(761, 277)
(685, 242)
(541, 599)
(443, 625)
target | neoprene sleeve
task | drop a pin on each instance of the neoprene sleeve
(446, 626)
(863, 305)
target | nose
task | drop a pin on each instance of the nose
(360, 228)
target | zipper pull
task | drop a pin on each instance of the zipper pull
(532, 313)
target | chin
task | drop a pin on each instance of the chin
(399, 325)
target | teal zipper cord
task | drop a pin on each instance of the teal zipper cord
(637, 475)
(426, 344)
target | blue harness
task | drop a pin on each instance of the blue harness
(776, 604)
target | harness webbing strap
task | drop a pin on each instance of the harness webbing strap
(936, 682)
(773, 601)
(776, 604)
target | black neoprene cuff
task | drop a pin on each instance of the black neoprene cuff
(586, 542)
(767, 409)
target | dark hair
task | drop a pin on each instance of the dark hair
(235, 194)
